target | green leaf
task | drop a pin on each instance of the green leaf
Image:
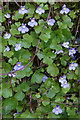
(47, 60)
(45, 35)
(19, 96)
(66, 35)
(72, 14)
(13, 61)
(9, 104)
(71, 111)
(7, 92)
(56, 87)
(14, 30)
(46, 7)
(7, 67)
(63, 62)
(12, 41)
(61, 25)
(45, 100)
(19, 108)
(26, 42)
(79, 49)
(38, 29)
(52, 115)
(67, 21)
(2, 18)
(31, 9)
(52, 70)
(27, 114)
(65, 90)
(37, 95)
(71, 75)
(37, 77)
(22, 87)
(55, 46)
(22, 73)
(51, 93)
(17, 24)
(59, 99)
(17, 16)
(8, 54)
(24, 55)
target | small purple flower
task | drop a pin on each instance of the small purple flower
(64, 84)
(15, 114)
(73, 57)
(78, 81)
(6, 49)
(51, 22)
(18, 66)
(53, 51)
(17, 47)
(64, 9)
(13, 74)
(65, 44)
(61, 51)
(44, 78)
(10, 21)
(76, 111)
(23, 28)
(72, 51)
(62, 79)
(73, 66)
(39, 10)
(57, 110)
(7, 35)
(32, 23)
(67, 73)
(7, 15)
(22, 10)
(77, 31)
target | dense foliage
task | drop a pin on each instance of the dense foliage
(40, 54)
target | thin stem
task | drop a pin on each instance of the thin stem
(16, 3)
(77, 30)
(56, 102)
(30, 101)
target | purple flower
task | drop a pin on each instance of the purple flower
(61, 51)
(9, 21)
(23, 28)
(57, 110)
(6, 49)
(73, 57)
(72, 66)
(22, 10)
(72, 51)
(18, 66)
(64, 84)
(65, 44)
(51, 22)
(62, 79)
(13, 74)
(78, 81)
(7, 15)
(15, 114)
(64, 9)
(76, 111)
(44, 78)
(32, 23)
(17, 47)
(67, 73)
(7, 35)
(39, 10)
